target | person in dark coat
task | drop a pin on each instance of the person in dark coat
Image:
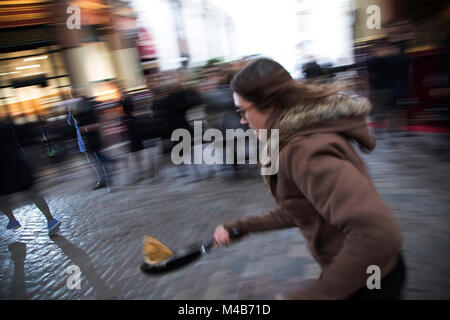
(129, 120)
(313, 70)
(82, 116)
(133, 135)
(170, 110)
(388, 76)
(17, 176)
(220, 105)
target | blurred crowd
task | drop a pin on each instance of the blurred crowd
(133, 120)
(174, 99)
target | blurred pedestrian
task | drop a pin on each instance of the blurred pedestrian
(388, 75)
(82, 116)
(322, 187)
(221, 112)
(212, 97)
(17, 176)
(133, 136)
(312, 70)
(179, 102)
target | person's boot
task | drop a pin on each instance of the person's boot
(99, 185)
(13, 225)
(53, 226)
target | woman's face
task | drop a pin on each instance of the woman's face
(250, 115)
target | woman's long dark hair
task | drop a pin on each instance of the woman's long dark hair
(267, 84)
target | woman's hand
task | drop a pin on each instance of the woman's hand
(221, 237)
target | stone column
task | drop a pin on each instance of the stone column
(126, 57)
(70, 42)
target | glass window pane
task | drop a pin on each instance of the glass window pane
(59, 63)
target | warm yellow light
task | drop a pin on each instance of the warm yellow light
(28, 67)
(106, 92)
(6, 73)
(35, 58)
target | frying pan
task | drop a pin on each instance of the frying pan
(185, 256)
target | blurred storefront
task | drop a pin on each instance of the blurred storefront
(419, 32)
(32, 71)
(42, 58)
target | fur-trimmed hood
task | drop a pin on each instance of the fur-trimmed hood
(343, 114)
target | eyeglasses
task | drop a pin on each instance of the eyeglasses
(240, 112)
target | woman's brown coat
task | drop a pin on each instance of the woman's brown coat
(324, 189)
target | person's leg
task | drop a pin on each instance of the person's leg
(93, 165)
(132, 171)
(5, 207)
(98, 169)
(150, 157)
(104, 159)
(102, 165)
(138, 172)
(40, 202)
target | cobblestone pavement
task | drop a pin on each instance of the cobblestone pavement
(102, 233)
